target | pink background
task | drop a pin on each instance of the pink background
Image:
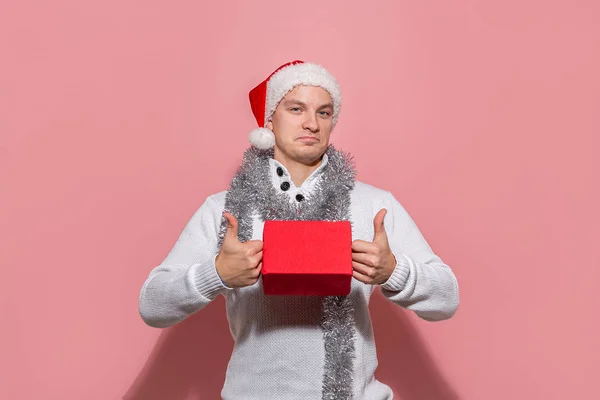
(117, 119)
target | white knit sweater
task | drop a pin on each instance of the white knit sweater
(279, 351)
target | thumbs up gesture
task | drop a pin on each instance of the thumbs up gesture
(373, 262)
(238, 264)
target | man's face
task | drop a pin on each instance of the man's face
(302, 124)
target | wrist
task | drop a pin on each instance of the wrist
(390, 265)
(219, 272)
(399, 276)
(207, 280)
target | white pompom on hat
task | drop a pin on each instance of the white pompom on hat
(265, 97)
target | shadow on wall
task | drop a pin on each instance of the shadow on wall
(190, 358)
(404, 361)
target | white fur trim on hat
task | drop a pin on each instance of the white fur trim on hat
(308, 74)
(262, 138)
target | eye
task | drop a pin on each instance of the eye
(295, 109)
(325, 113)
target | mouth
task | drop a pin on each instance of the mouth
(310, 139)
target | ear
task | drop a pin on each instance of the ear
(270, 125)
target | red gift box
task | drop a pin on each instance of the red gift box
(307, 258)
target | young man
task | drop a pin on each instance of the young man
(298, 347)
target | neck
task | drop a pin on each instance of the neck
(299, 171)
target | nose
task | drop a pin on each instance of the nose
(311, 123)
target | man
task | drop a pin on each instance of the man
(298, 347)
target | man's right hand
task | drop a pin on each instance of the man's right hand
(238, 264)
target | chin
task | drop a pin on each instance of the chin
(309, 154)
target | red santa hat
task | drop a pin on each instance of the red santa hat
(265, 97)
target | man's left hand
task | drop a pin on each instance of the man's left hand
(373, 262)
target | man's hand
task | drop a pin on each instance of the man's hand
(373, 262)
(238, 264)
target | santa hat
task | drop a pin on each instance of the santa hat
(265, 97)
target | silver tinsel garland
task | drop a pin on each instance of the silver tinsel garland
(251, 191)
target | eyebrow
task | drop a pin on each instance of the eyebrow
(298, 102)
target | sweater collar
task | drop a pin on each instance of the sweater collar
(307, 186)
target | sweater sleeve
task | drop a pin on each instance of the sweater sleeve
(421, 281)
(187, 280)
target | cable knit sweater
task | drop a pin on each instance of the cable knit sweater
(279, 351)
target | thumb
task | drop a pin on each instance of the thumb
(378, 224)
(232, 226)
